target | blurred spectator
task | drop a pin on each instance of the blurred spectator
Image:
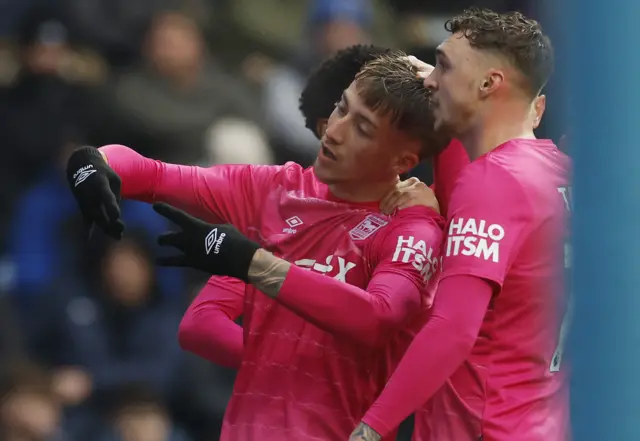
(41, 102)
(29, 408)
(12, 347)
(332, 25)
(166, 107)
(47, 236)
(113, 324)
(115, 28)
(139, 416)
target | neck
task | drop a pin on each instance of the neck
(493, 128)
(369, 192)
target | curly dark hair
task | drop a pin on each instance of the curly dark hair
(389, 85)
(326, 84)
(518, 38)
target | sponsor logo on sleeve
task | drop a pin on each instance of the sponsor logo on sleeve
(415, 252)
(477, 238)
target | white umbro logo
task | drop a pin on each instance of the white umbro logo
(213, 242)
(294, 221)
(82, 175)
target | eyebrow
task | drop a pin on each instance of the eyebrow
(441, 53)
(359, 115)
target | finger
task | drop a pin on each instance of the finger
(110, 203)
(388, 205)
(418, 63)
(89, 226)
(176, 216)
(402, 198)
(171, 239)
(98, 216)
(178, 261)
(404, 201)
(424, 69)
(116, 229)
(408, 183)
(385, 201)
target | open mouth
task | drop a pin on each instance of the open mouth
(327, 153)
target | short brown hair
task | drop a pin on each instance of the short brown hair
(518, 38)
(389, 85)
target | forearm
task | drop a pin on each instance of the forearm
(208, 328)
(330, 303)
(436, 352)
(212, 335)
(181, 186)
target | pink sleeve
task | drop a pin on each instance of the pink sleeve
(231, 193)
(208, 328)
(404, 261)
(487, 223)
(436, 352)
(447, 167)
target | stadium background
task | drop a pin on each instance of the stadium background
(186, 81)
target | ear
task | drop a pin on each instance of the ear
(539, 106)
(491, 82)
(406, 162)
(321, 127)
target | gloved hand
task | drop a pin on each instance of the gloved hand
(96, 188)
(216, 249)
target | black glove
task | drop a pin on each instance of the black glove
(96, 188)
(216, 249)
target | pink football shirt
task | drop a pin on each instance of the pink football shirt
(296, 379)
(507, 224)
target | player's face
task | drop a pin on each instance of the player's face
(456, 82)
(360, 146)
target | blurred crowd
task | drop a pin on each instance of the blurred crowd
(88, 347)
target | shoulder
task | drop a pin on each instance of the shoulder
(487, 181)
(413, 224)
(297, 178)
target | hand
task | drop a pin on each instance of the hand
(96, 188)
(408, 194)
(216, 249)
(424, 69)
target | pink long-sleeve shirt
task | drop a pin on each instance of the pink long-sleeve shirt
(317, 356)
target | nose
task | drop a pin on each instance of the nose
(430, 82)
(335, 131)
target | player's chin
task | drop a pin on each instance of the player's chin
(324, 172)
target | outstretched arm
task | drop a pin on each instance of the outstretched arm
(228, 192)
(388, 300)
(397, 288)
(403, 261)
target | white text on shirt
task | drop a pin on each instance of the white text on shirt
(469, 237)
